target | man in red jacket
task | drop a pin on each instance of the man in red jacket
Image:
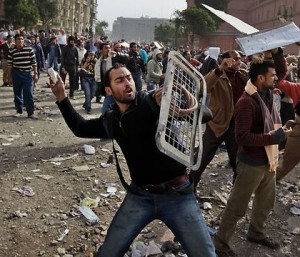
(258, 132)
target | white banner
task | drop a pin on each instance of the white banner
(268, 39)
(233, 21)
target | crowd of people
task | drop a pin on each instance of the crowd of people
(255, 108)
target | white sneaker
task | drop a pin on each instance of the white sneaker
(33, 116)
(18, 115)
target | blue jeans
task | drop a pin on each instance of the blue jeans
(177, 208)
(23, 91)
(108, 101)
(152, 86)
(53, 61)
(137, 77)
(89, 90)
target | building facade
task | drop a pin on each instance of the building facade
(261, 14)
(2, 14)
(72, 16)
(76, 16)
(136, 29)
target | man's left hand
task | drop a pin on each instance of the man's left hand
(157, 96)
(35, 77)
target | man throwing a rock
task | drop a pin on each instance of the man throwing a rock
(160, 188)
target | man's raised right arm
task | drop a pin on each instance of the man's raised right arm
(92, 128)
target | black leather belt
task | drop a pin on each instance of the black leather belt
(21, 70)
(162, 187)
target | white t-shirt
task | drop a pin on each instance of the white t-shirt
(81, 53)
(62, 39)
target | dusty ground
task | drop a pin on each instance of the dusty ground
(31, 225)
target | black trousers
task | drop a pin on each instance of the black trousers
(210, 147)
(286, 112)
(73, 79)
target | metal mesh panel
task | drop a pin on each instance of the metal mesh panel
(179, 132)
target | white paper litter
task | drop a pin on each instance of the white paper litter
(295, 210)
(207, 206)
(89, 149)
(111, 189)
(105, 165)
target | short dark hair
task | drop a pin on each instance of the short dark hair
(257, 69)
(71, 38)
(225, 55)
(229, 53)
(18, 35)
(185, 53)
(132, 44)
(107, 82)
(102, 45)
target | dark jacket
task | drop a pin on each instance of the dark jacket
(135, 132)
(39, 55)
(57, 49)
(5, 48)
(135, 63)
(69, 56)
(249, 129)
(222, 98)
(208, 65)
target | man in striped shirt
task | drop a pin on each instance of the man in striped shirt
(21, 63)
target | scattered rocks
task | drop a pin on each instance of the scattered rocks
(61, 250)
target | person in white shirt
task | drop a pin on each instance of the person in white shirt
(62, 39)
(81, 53)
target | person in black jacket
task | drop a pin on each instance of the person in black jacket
(69, 64)
(136, 65)
(160, 187)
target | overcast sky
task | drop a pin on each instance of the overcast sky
(109, 10)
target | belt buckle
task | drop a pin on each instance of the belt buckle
(156, 189)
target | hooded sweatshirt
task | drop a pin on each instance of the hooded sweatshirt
(154, 68)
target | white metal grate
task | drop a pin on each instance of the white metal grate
(179, 132)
